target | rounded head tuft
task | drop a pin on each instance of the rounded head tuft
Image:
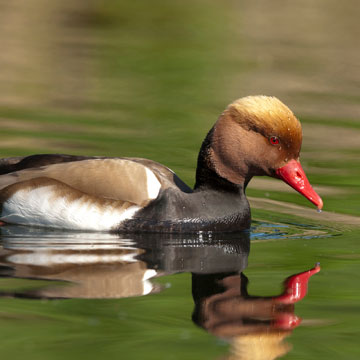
(269, 116)
(262, 105)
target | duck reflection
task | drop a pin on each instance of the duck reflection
(94, 265)
(256, 325)
(91, 265)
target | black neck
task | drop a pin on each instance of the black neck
(216, 204)
(206, 177)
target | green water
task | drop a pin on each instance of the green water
(149, 79)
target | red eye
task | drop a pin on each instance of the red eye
(274, 140)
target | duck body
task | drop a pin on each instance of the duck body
(254, 136)
(48, 194)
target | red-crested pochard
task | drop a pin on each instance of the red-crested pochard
(255, 135)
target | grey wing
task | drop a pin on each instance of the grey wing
(127, 179)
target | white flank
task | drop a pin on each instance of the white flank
(51, 259)
(148, 286)
(40, 207)
(153, 184)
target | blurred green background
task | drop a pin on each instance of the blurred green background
(148, 79)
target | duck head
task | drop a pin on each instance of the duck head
(257, 135)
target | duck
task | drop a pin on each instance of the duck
(254, 136)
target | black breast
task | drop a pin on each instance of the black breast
(207, 210)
